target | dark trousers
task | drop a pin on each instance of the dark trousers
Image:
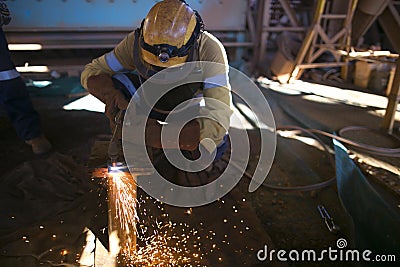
(14, 98)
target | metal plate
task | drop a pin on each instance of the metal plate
(114, 14)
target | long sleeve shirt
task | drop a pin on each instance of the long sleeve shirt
(216, 81)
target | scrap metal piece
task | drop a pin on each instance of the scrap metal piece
(332, 227)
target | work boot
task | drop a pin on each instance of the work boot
(40, 145)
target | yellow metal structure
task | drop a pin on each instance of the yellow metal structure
(318, 41)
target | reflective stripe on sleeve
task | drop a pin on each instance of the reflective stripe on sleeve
(126, 81)
(216, 81)
(113, 62)
(8, 74)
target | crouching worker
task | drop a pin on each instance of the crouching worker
(171, 34)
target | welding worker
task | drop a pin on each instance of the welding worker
(14, 97)
(172, 33)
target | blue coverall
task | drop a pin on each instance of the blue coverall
(14, 97)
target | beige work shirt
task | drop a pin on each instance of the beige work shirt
(217, 86)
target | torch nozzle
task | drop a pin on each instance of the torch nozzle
(113, 145)
(113, 152)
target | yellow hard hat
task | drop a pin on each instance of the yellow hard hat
(168, 33)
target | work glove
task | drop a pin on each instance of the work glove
(102, 87)
(5, 15)
(189, 137)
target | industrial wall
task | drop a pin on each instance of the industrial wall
(46, 21)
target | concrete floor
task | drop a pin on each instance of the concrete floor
(278, 219)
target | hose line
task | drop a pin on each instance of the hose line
(388, 152)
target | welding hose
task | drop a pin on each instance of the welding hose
(313, 187)
(389, 152)
(380, 151)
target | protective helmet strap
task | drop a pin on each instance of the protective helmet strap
(145, 71)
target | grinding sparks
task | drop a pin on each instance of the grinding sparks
(157, 251)
(122, 212)
(188, 211)
(158, 244)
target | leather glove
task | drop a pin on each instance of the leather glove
(189, 137)
(5, 15)
(102, 87)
